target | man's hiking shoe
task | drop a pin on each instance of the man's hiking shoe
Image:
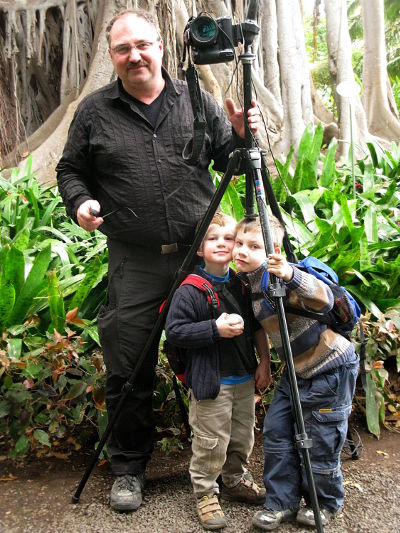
(269, 519)
(210, 513)
(305, 516)
(126, 492)
(245, 491)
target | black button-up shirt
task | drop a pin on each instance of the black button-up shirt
(113, 154)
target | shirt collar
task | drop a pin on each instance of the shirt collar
(218, 279)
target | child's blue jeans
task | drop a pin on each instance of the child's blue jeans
(326, 403)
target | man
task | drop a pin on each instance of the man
(123, 157)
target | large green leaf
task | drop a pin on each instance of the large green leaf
(91, 277)
(371, 224)
(56, 303)
(31, 287)
(49, 212)
(346, 213)
(231, 202)
(31, 195)
(14, 269)
(328, 173)
(309, 176)
(315, 152)
(305, 147)
(282, 184)
(21, 239)
(43, 230)
(7, 300)
(372, 408)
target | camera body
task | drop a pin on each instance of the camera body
(211, 40)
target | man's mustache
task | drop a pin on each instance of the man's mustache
(132, 65)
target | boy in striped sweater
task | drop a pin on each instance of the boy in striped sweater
(326, 369)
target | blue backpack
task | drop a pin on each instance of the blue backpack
(345, 312)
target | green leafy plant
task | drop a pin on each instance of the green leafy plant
(380, 401)
(47, 392)
(52, 276)
(358, 237)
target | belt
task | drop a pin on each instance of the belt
(173, 248)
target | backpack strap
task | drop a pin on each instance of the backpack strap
(204, 285)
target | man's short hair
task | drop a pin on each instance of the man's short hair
(150, 18)
(253, 224)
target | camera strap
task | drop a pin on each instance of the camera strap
(192, 149)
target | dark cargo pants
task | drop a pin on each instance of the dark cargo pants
(138, 281)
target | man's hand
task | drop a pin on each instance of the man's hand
(236, 117)
(229, 327)
(86, 220)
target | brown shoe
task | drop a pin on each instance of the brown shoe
(210, 513)
(245, 491)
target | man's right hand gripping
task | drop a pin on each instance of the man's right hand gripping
(88, 215)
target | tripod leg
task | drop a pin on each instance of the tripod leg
(181, 405)
(233, 164)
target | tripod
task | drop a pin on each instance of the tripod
(257, 179)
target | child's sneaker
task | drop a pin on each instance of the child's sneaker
(269, 519)
(305, 516)
(245, 491)
(210, 513)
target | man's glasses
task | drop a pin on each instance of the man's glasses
(125, 49)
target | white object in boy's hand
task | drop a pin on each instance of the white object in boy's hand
(236, 319)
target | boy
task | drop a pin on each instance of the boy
(219, 373)
(326, 370)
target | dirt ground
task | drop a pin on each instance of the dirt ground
(36, 497)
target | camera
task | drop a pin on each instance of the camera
(211, 40)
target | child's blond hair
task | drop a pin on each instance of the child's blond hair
(220, 219)
(253, 224)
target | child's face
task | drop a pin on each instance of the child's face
(249, 250)
(216, 248)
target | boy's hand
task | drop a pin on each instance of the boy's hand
(278, 265)
(229, 326)
(262, 376)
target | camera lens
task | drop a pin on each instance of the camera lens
(204, 31)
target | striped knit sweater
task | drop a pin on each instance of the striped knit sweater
(315, 347)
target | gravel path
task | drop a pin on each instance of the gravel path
(39, 499)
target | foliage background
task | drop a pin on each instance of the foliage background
(53, 280)
(53, 275)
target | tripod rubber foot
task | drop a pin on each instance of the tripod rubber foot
(75, 499)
